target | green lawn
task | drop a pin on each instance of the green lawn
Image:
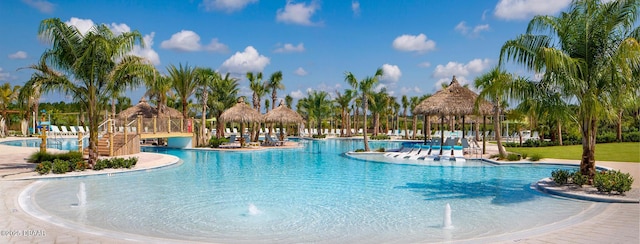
(619, 152)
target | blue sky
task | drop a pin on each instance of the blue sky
(419, 44)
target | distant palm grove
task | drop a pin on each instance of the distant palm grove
(587, 61)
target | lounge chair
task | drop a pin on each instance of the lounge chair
(458, 154)
(424, 152)
(64, 130)
(73, 130)
(81, 129)
(227, 131)
(55, 131)
(413, 153)
(403, 151)
(232, 142)
(235, 130)
(272, 142)
(434, 154)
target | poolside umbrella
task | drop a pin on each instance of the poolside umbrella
(283, 114)
(453, 100)
(241, 113)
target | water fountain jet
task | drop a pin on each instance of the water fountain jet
(446, 224)
(82, 195)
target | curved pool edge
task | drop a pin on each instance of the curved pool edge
(547, 185)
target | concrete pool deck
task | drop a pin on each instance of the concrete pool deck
(617, 223)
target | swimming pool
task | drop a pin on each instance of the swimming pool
(309, 194)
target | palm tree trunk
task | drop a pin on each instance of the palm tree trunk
(428, 132)
(355, 118)
(364, 126)
(406, 132)
(559, 132)
(588, 162)
(496, 128)
(619, 126)
(415, 126)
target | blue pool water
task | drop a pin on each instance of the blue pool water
(309, 194)
(58, 143)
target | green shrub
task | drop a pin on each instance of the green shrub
(216, 142)
(44, 168)
(524, 155)
(606, 137)
(560, 176)
(511, 144)
(578, 178)
(608, 181)
(39, 157)
(60, 166)
(513, 157)
(101, 164)
(631, 136)
(380, 149)
(73, 156)
(535, 157)
(319, 136)
(359, 150)
(380, 137)
(81, 166)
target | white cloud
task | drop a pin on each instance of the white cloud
(460, 70)
(525, 9)
(41, 5)
(247, 61)
(18, 55)
(300, 71)
(409, 43)
(215, 46)
(467, 31)
(290, 48)
(406, 90)
(4, 75)
(297, 13)
(355, 7)
(83, 25)
(118, 29)
(298, 94)
(147, 51)
(189, 41)
(228, 6)
(424, 65)
(390, 73)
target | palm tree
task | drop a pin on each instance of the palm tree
(405, 105)
(8, 95)
(583, 47)
(495, 86)
(91, 64)
(274, 84)
(184, 84)
(378, 104)
(343, 101)
(159, 89)
(318, 106)
(31, 92)
(365, 87)
(205, 78)
(258, 88)
(224, 95)
(288, 100)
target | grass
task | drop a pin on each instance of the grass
(618, 152)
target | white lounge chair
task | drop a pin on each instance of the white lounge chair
(64, 130)
(73, 130)
(434, 154)
(458, 154)
(424, 152)
(403, 150)
(81, 129)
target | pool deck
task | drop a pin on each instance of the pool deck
(617, 223)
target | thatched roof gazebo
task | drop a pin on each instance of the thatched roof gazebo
(241, 113)
(283, 114)
(147, 111)
(453, 100)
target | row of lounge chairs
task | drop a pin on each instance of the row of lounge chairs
(63, 131)
(432, 152)
(268, 141)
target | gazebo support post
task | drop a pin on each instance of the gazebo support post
(441, 133)
(424, 128)
(464, 129)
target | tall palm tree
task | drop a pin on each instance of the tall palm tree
(184, 84)
(90, 65)
(224, 95)
(318, 106)
(274, 84)
(378, 104)
(343, 101)
(495, 86)
(205, 78)
(583, 47)
(365, 88)
(31, 92)
(159, 89)
(405, 105)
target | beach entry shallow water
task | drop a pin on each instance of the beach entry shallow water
(310, 194)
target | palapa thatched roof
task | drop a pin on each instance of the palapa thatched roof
(453, 100)
(241, 113)
(147, 111)
(283, 114)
